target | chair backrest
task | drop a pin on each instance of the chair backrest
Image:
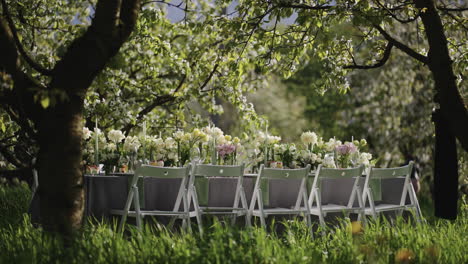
(207, 170)
(329, 173)
(270, 173)
(390, 173)
(202, 172)
(266, 174)
(336, 174)
(161, 172)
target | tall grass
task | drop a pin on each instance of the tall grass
(378, 242)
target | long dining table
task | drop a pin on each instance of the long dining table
(106, 192)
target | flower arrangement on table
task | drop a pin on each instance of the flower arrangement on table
(350, 154)
(285, 156)
(90, 143)
(210, 145)
(114, 151)
(190, 145)
(162, 152)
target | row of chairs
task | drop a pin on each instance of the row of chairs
(192, 196)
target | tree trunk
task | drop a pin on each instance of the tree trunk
(452, 118)
(61, 182)
(446, 164)
(60, 126)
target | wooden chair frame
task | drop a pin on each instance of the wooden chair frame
(133, 196)
(211, 171)
(389, 173)
(302, 197)
(315, 195)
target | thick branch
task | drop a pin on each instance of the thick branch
(21, 97)
(20, 47)
(394, 16)
(461, 9)
(207, 80)
(161, 100)
(409, 51)
(380, 63)
(87, 55)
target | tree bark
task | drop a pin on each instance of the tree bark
(59, 161)
(445, 169)
(451, 119)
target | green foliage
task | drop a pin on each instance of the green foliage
(13, 203)
(438, 241)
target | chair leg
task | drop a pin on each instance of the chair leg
(262, 221)
(186, 219)
(260, 207)
(307, 213)
(194, 196)
(246, 207)
(361, 214)
(123, 219)
(319, 206)
(252, 206)
(415, 202)
(137, 207)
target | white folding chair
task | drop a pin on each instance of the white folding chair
(320, 209)
(133, 196)
(302, 197)
(199, 185)
(392, 173)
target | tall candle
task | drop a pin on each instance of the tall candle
(265, 161)
(97, 142)
(144, 140)
(214, 159)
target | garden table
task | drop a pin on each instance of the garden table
(106, 192)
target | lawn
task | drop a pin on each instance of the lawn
(438, 241)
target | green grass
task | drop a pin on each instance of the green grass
(439, 241)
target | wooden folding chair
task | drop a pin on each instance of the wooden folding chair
(407, 189)
(321, 209)
(199, 190)
(133, 196)
(302, 197)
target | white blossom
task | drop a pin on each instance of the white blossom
(86, 133)
(111, 147)
(309, 138)
(329, 162)
(132, 144)
(116, 136)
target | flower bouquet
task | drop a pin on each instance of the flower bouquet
(287, 153)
